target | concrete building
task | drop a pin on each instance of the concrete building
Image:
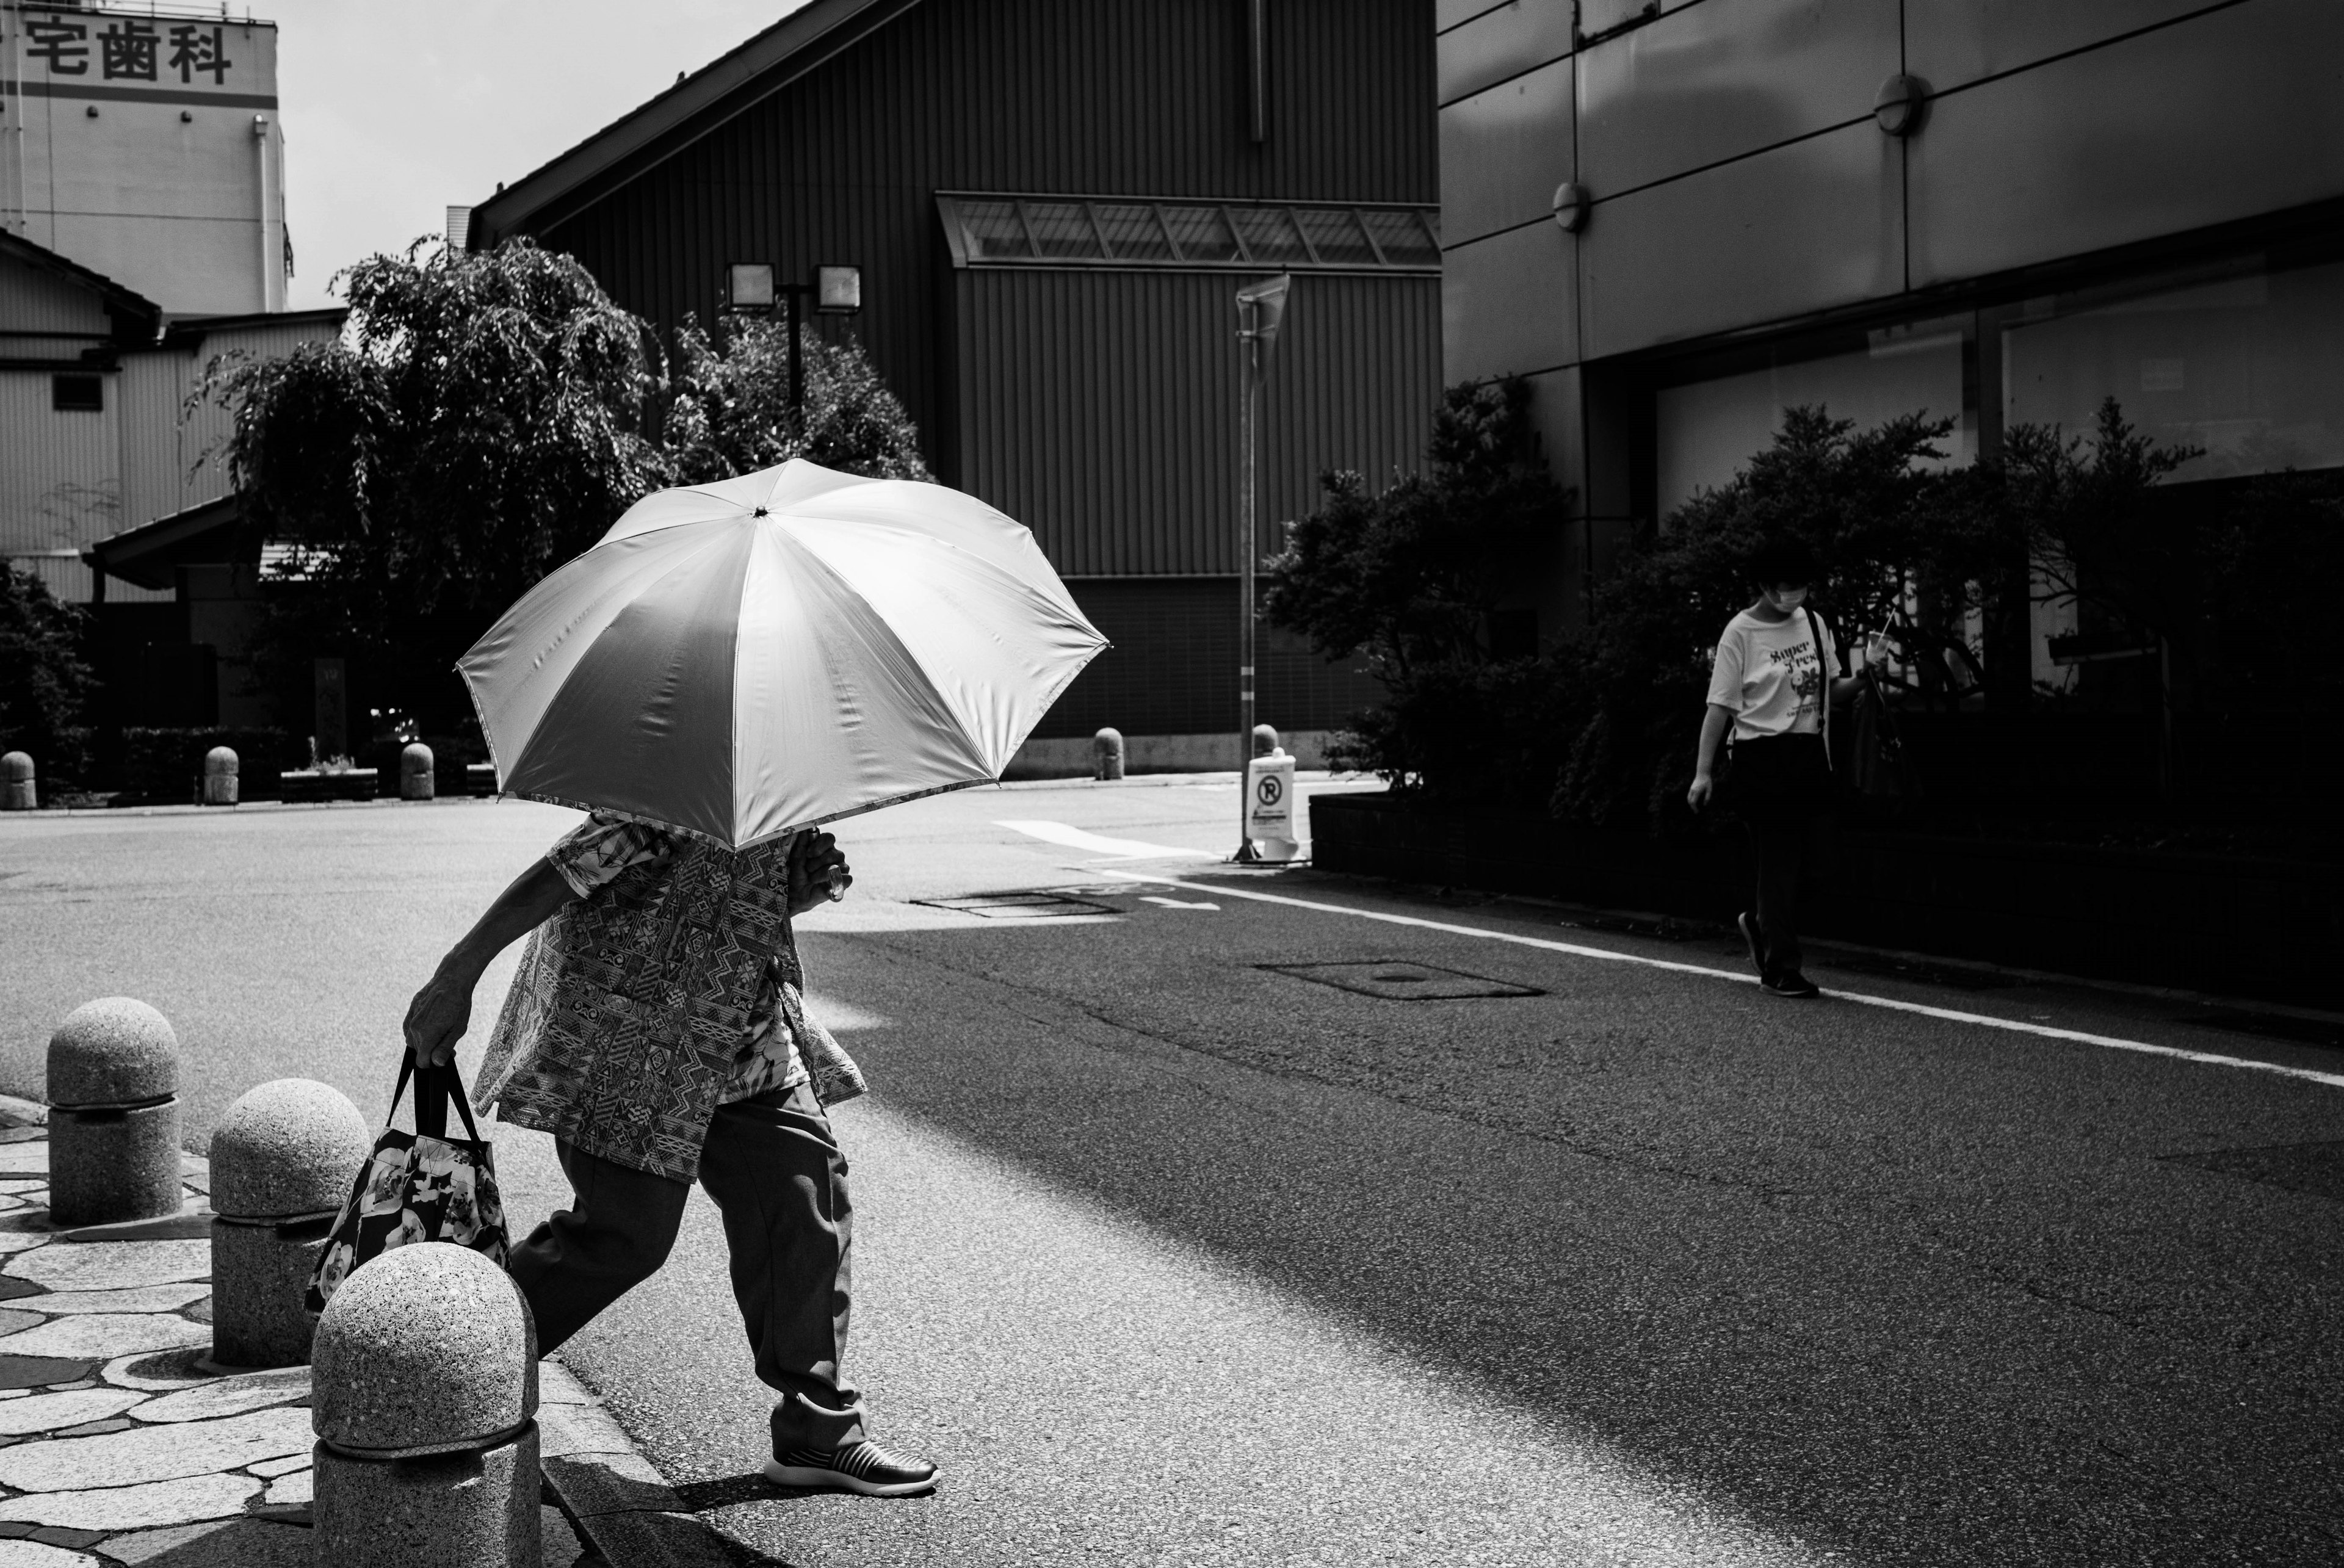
(145, 144)
(1677, 217)
(1053, 203)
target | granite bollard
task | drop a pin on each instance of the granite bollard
(423, 1400)
(221, 781)
(1106, 754)
(17, 790)
(113, 1114)
(1265, 741)
(416, 781)
(282, 1161)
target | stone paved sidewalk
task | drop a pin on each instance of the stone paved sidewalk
(121, 1444)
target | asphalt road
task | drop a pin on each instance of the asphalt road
(1170, 1257)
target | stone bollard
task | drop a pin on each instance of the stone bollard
(114, 1115)
(221, 776)
(1265, 741)
(422, 1400)
(415, 778)
(282, 1162)
(1106, 754)
(18, 791)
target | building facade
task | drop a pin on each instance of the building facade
(1053, 203)
(1677, 217)
(145, 144)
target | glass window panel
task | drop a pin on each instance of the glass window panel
(1204, 235)
(1062, 230)
(1270, 234)
(2251, 369)
(1402, 239)
(994, 232)
(1336, 237)
(1711, 429)
(1132, 232)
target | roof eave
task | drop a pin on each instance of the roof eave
(763, 65)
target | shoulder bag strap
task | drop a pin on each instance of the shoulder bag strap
(435, 1089)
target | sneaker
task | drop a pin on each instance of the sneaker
(1747, 924)
(1793, 984)
(862, 1467)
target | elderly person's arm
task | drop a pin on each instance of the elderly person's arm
(442, 1010)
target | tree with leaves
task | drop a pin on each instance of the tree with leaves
(1411, 578)
(43, 684)
(482, 418)
(728, 406)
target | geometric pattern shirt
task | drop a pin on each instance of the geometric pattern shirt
(602, 847)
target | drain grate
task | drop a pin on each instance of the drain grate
(1400, 980)
(2316, 1168)
(1031, 905)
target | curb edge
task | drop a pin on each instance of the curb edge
(618, 1501)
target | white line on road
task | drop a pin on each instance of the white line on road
(1123, 848)
(1176, 903)
(2333, 1080)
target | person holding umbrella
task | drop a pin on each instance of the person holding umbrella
(1772, 683)
(732, 665)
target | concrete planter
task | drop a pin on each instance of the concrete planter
(350, 783)
(2201, 922)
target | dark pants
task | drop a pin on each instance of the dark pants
(780, 1182)
(1780, 787)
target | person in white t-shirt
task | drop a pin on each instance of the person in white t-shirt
(1773, 683)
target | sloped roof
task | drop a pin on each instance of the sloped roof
(697, 104)
(137, 318)
(146, 555)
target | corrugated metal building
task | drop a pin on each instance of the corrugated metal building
(1053, 203)
(1677, 217)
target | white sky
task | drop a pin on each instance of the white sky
(394, 111)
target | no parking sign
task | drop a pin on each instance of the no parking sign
(1269, 806)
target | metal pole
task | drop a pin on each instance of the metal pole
(797, 370)
(1247, 418)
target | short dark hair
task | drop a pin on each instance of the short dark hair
(1782, 560)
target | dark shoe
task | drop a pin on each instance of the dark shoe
(1793, 984)
(1747, 924)
(862, 1467)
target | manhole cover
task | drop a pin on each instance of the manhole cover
(1028, 905)
(1401, 981)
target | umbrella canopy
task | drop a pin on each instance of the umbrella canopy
(739, 658)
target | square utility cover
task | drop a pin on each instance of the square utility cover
(1401, 981)
(1029, 906)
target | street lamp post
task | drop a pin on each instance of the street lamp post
(750, 289)
(1261, 307)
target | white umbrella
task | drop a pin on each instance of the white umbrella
(743, 657)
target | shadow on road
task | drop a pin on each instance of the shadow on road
(1866, 1282)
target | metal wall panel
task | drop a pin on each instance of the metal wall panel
(59, 488)
(1718, 80)
(1950, 42)
(171, 458)
(1503, 152)
(1510, 304)
(2231, 113)
(1085, 96)
(1806, 226)
(1101, 409)
(1517, 37)
(1448, 14)
(32, 300)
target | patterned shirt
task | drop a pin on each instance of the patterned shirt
(594, 853)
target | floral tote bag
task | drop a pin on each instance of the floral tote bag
(419, 1186)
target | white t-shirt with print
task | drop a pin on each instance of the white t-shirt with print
(1770, 674)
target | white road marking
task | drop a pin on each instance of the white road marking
(2112, 1042)
(1122, 848)
(1174, 903)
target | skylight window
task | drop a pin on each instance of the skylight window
(1003, 230)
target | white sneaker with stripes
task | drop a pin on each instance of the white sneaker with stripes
(862, 1467)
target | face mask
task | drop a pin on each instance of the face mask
(1787, 598)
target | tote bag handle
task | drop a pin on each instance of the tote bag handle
(435, 1089)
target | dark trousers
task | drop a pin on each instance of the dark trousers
(1780, 786)
(780, 1182)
